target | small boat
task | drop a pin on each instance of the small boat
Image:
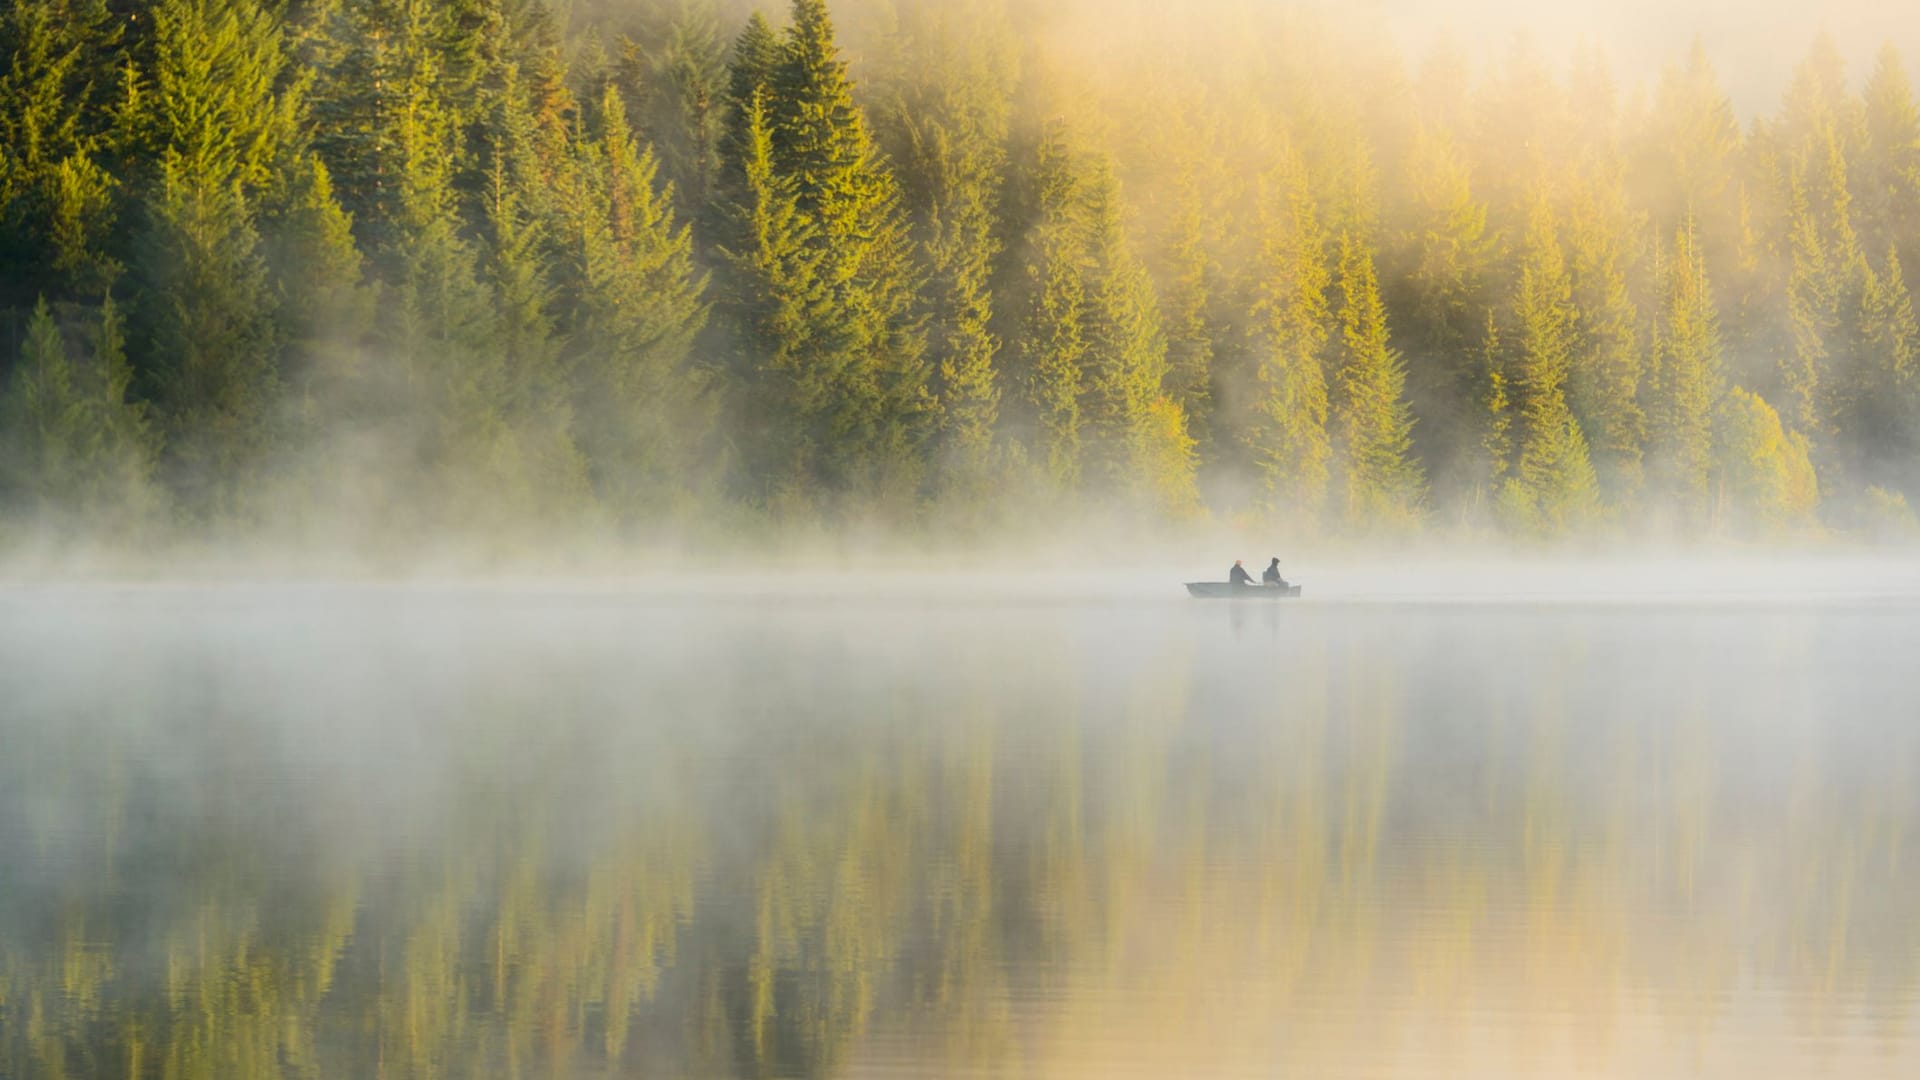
(1221, 590)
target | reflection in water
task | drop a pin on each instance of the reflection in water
(409, 835)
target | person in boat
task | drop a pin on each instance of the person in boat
(1238, 575)
(1271, 576)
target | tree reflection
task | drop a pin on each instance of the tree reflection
(1487, 853)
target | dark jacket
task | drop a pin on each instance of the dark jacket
(1239, 576)
(1272, 574)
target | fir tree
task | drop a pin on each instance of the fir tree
(1136, 447)
(1289, 438)
(883, 411)
(772, 303)
(679, 76)
(1826, 292)
(1053, 338)
(323, 306)
(1603, 385)
(1687, 388)
(1496, 407)
(73, 448)
(371, 59)
(541, 463)
(1190, 321)
(218, 125)
(1451, 247)
(750, 71)
(58, 198)
(948, 122)
(642, 410)
(1764, 469)
(1883, 429)
(1383, 483)
(1889, 179)
(1553, 471)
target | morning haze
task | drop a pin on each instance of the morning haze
(615, 538)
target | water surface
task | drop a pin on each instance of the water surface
(862, 829)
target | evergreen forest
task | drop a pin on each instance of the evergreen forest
(636, 266)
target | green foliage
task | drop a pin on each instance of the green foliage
(1603, 381)
(377, 252)
(641, 410)
(1053, 337)
(1554, 472)
(678, 73)
(874, 339)
(1885, 516)
(57, 198)
(73, 447)
(1766, 475)
(770, 303)
(1451, 247)
(1382, 484)
(1289, 438)
(949, 124)
(1688, 380)
(207, 312)
(1496, 404)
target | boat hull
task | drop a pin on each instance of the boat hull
(1221, 590)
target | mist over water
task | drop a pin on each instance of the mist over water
(1614, 819)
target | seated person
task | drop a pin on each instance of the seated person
(1238, 575)
(1271, 576)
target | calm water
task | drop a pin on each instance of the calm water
(253, 832)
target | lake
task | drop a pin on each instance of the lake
(862, 828)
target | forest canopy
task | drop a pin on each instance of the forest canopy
(631, 265)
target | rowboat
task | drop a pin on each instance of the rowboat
(1222, 590)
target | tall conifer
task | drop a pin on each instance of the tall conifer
(1689, 383)
(1289, 437)
(1553, 470)
(1383, 482)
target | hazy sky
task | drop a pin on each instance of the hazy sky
(1755, 44)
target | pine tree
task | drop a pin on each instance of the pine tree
(884, 411)
(750, 71)
(58, 199)
(771, 303)
(44, 418)
(1764, 469)
(678, 76)
(1053, 336)
(1889, 179)
(1884, 428)
(1689, 166)
(642, 411)
(371, 60)
(1383, 483)
(950, 83)
(323, 307)
(73, 449)
(1191, 332)
(1135, 446)
(1496, 409)
(1450, 246)
(1289, 438)
(210, 336)
(1826, 292)
(1603, 386)
(218, 126)
(439, 330)
(1554, 471)
(521, 134)
(1687, 385)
